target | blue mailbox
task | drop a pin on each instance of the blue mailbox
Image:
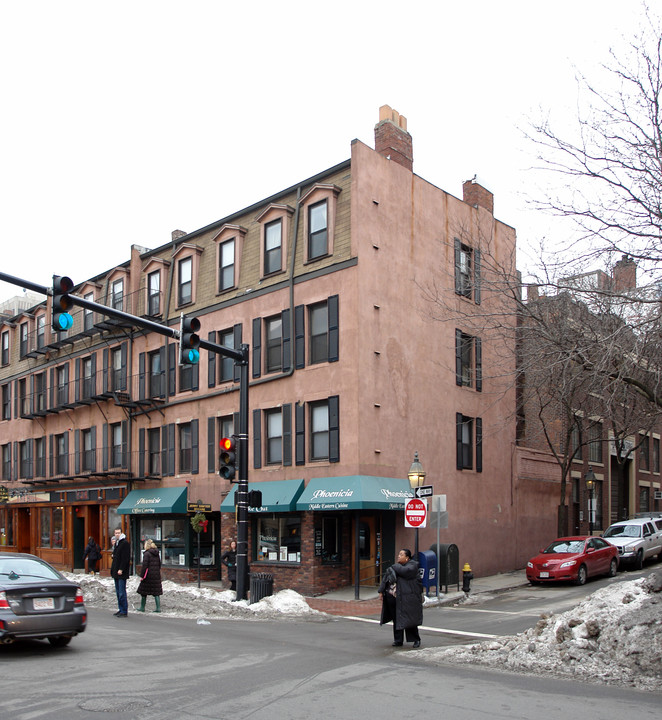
(427, 569)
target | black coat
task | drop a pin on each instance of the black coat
(408, 596)
(92, 551)
(151, 585)
(121, 559)
(229, 559)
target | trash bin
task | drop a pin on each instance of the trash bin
(262, 585)
(427, 569)
(449, 564)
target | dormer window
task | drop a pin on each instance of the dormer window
(274, 234)
(319, 205)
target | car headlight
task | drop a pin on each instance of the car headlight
(570, 563)
(529, 564)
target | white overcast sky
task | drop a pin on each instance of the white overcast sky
(122, 121)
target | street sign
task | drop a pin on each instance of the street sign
(198, 507)
(424, 491)
(416, 512)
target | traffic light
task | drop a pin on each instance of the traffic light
(255, 498)
(228, 459)
(61, 318)
(189, 340)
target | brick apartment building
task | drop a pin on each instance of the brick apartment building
(349, 377)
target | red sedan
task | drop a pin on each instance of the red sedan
(573, 558)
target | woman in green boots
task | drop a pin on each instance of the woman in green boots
(151, 576)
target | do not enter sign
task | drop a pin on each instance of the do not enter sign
(416, 513)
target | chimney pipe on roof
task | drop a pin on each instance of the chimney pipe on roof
(392, 139)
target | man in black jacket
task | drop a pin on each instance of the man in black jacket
(119, 571)
(401, 591)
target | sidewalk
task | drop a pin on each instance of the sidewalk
(343, 601)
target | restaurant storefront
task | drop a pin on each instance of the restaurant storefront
(331, 533)
(161, 515)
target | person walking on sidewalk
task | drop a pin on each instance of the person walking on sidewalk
(229, 559)
(92, 554)
(150, 583)
(119, 571)
(401, 591)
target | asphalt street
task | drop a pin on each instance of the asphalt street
(150, 666)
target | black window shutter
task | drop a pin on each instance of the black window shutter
(334, 429)
(51, 391)
(29, 474)
(287, 434)
(195, 376)
(237, 344)
(141, 376)
(16, 395)
(300, 441)
(458, 435)
(104, 452)
(287, 339)
(479, 364)
(257, 347)
(479, 444)
(299, 337)
(125, 445)
(95, 387)
(141, 452)
(477, 277)
(67, 393)
(16, 467)
(50, 456)
(195, 448)
(123, 371)
(458, 264)
(334, 344)
(76, 451)
(162, 365)
(171, 449)
(9, 394)
(211, 445)
(77, 381)
(105, 371)
(33, 400)
(93, 430)
(66, 452)
(257, 439)
(211, 361)
(164, 450)
(172, 369)
(458, 357)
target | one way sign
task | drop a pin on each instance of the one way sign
(423, 491)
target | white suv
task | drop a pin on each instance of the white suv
(636, 540)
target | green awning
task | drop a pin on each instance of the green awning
(277, 496)
(355, 492)
(162, 501)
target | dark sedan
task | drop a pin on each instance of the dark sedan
(37, 602)
(574, 559)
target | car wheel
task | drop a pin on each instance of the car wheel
(613, 567)
(639, 561)
(60, 640)
(581, 575)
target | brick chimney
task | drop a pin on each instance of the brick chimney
(176, 234)
(624, 274)
(474, 194)
(392, 139)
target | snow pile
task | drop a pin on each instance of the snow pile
(613, 637)
(191, 601)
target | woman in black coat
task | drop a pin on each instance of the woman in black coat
(229, 559)
(93, 555)
(151, 576)
(402, 591)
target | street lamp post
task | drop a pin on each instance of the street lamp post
(416, 477)
(589, 479)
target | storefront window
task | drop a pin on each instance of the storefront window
(51, 525)
(331, 540)
(278, 539)
(6, 527)
(170, 536)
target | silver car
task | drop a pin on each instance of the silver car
(37, 602)
(636, 540)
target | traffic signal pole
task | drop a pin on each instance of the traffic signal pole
(240, 356)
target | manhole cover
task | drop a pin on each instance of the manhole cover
(109, 704)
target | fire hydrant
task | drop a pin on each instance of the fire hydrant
(467, 577)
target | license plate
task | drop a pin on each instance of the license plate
(43, 604)
(544, 574)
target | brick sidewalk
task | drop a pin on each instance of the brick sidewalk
(346, 607)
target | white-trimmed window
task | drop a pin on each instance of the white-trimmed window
(274, 430)
(185, 281)
(319, 430)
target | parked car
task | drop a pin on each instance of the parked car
(636, 540)
(38, 602)
(573, 558)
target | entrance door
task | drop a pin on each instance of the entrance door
(23, 531)
(620, 492)
(369, 550)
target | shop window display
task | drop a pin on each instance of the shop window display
(278, 539)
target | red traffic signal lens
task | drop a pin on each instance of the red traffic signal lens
(227, 444)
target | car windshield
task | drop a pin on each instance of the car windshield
(633, 531)
(565, 546)
(15, 569)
